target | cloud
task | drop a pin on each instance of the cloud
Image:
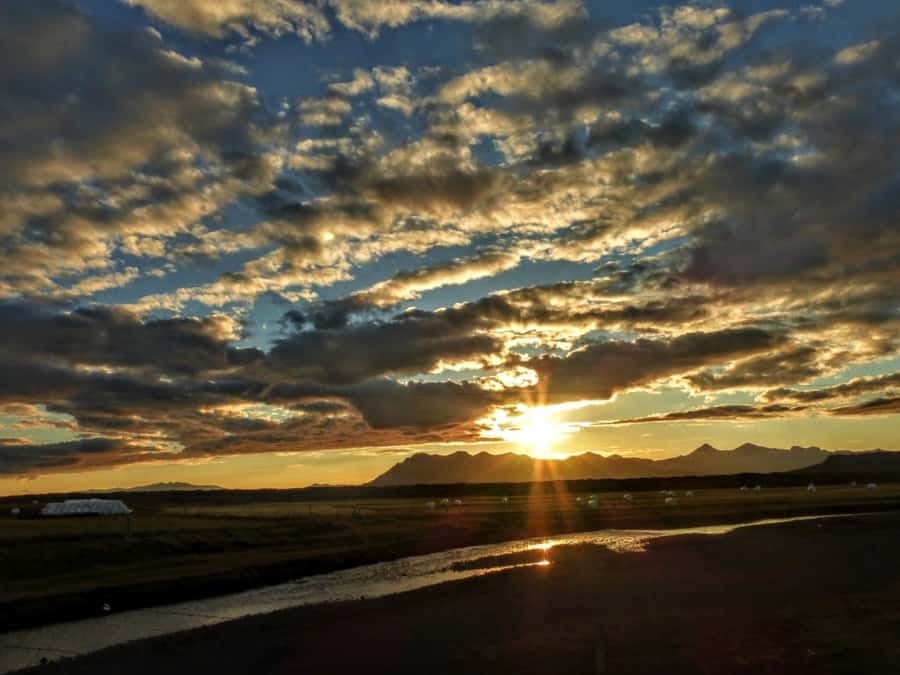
(409, 343)
(220, 18)
(112, 337)
(324, 112)
(875, 406)
(728, 208)
(148, 145)
(795, 364)
(409, 284)
(719, 412)
(26, 458)
(599, 370)
(371, 16)
(855, 387)
(388, 404)
(311, 21)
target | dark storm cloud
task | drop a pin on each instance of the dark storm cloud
(319, 407)
(847, 390)
(115, 337)
(599, 370)
(387, 404)
(674, 129)
(876, 406)
(719, 412)
(416, 340)
(583, 304)
(24, 458)
(409, 343)
(792, 365)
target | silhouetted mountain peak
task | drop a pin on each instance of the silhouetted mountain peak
(753, 447)
(484, 467)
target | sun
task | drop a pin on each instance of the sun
(539, 431)
(534, 429)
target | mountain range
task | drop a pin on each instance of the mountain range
(462, 467)
(874, 463)
(161, 487)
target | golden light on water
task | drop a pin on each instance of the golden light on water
(543, 546)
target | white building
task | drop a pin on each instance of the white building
(86, 507)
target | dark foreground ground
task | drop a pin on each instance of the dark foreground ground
(809, 597)
(185, 546)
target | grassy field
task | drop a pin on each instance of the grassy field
(189, 545)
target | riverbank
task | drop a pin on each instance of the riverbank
(809, 597)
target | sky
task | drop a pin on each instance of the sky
(268, 243)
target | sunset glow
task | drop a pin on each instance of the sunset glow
(535, 431)
(276, 242)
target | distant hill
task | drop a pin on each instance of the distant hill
(747, 458)
(461, 467)
(873, 463)
(160, 487)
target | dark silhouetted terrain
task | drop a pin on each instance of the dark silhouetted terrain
(161, 487)
(805, 598)
(871, 464)
(461, 467)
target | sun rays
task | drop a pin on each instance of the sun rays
(535, 430)
(540, 431)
